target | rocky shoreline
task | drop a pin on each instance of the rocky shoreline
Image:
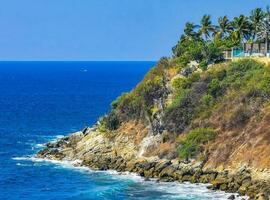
(240, 182)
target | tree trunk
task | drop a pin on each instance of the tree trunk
(266, 44)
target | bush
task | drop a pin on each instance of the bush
(239, 117)
(211, 53)
(203, 65)
(111, 121)
(215, 88)
(179, 84)
(130, 108)
(118, 101)
(180, 62)
(221, 74)
(179, 114)
(207, 100)
(192, 143)
(243, 66)
(151, 90)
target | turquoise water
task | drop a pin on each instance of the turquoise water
(40, 101)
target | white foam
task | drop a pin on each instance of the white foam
(59, 136)
(56, 137)
(171, 189)
(40, 145)
(23, 165)
(65, 163)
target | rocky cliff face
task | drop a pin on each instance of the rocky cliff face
(161, 129)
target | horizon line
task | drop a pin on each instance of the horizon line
(78, 60)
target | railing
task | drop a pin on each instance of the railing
(238, 53)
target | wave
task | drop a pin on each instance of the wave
(37, 146)
(40, 145)
(171, 189)
(23, 165)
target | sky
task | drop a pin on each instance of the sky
(103, 30)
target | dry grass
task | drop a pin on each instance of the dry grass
(265, 60)
(247, 146)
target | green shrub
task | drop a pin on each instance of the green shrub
(180, 113)
(211, 53)
(110, 121)
(192, 143)
(180, 62)
(221, 74)
(215, 88)
(179, 83)
(118, 101)
(193, 78)
(150, 90)
(130, 108)
(203, 65)
(207, 100)
(243, 66)
(264, 84)
(102, 125)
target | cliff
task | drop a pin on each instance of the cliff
(187, 124)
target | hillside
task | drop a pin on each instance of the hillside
(215, 121)
(220, 116)
(194, 117)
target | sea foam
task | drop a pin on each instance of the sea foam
(173, 190)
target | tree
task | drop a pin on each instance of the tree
(206, 27)
(242, 29)
(257, 16)
(224, 27)
(189, 36)
(189, 30)
(264, 29)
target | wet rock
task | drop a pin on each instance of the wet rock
(219, 183)
(161, 165)
(146, 179)
(167, 173)
(232, 197)
(104, 157)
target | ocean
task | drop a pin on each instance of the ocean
(43, 101)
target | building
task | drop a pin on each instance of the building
(248, 50)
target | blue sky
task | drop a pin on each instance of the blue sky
(102, 29)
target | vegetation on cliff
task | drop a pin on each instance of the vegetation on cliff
(176, 98)
(195, 98)
(213, 116)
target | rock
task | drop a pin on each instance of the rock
(98, 152)
(231, 197)
(161, 165)
(206, 177)
(130, 166)
(219, 183)
(167, 172)
(261, 197)
(149, 173)
(242, 190)
(146, 179)
(186, 177)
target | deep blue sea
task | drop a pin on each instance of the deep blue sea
(41, 101)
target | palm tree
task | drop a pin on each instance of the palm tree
(189, 30)
(256, 18)
(206, 27)
(224, 27)
(264, 29)
(242, 28)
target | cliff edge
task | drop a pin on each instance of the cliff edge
(187, 124)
